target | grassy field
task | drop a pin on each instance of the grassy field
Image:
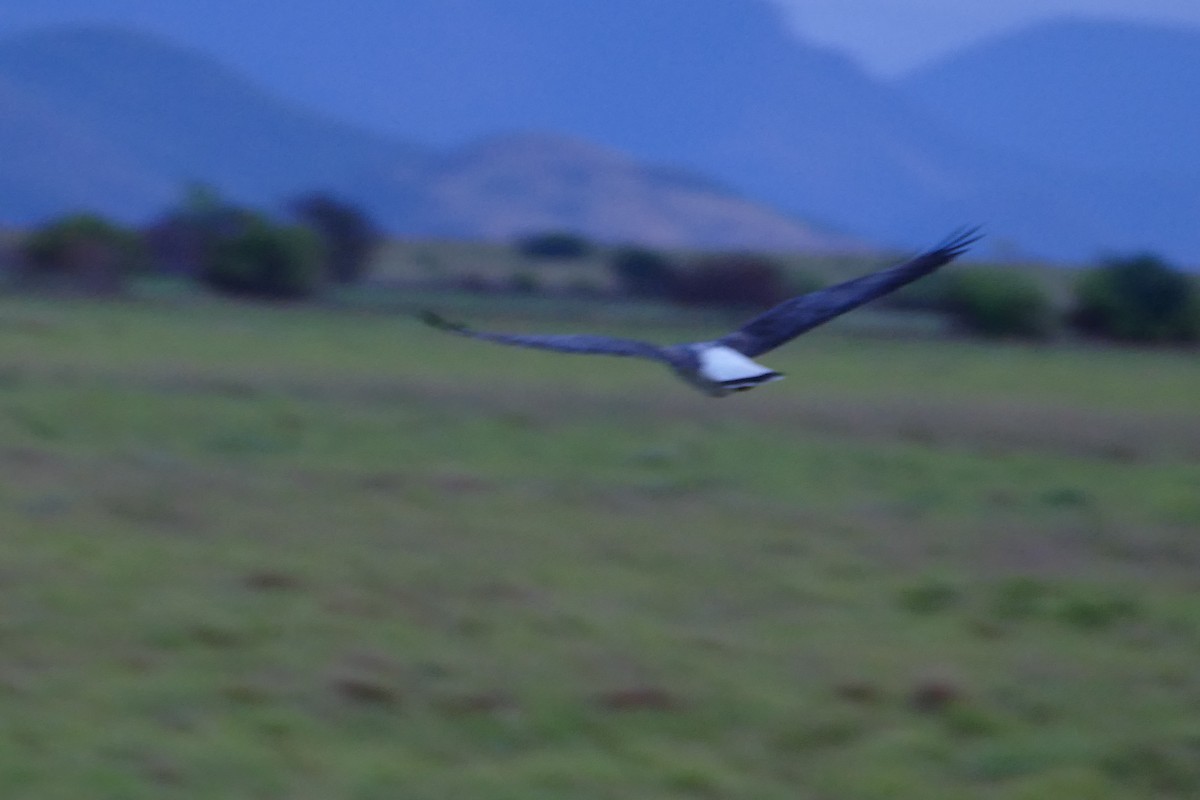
(301, 553)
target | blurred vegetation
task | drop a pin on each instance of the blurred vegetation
(931, 293)
(731, 281)
(565, 245)
(349, 236)
(241, 251)
(1138, 298)
(643, 272)
(998, 303)
(267, 260)
(183, 239)
(327, 247)
(81, 252)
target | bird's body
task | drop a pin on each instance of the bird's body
(726, 365)
(715, 369)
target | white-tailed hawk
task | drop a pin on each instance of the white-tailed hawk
(724, 365)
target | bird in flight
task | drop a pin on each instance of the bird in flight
(721, 366)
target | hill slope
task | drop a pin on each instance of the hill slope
(720, 87)
(118, 122)
(723, 88)
(102, 105)
(53, 161)
(504, 186)
(715, 87)
(1093, 95)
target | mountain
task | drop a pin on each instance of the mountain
(1085, 94)
(52, 162)
(717, 88)
(119, 122)
(1108, 113)
(507, 185)
(723, 88)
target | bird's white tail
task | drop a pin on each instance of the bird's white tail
(732, 370)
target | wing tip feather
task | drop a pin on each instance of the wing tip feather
(960, 241)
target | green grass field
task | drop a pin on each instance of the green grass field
(301, 553)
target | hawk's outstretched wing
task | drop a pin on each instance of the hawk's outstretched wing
(793, 317)
(563, 343)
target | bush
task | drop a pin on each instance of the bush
(524, 283)
(8, 253)
(644, 273)
(82, 252)
(998, 303)
(349, 236)
(183, 240)
(266, 260)
(931, 293)
(554, 244)
(1137, 299)
(733, 281)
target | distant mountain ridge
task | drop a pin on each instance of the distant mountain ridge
(137, 118)
(719, 87)
(508, 185)
(172, 116)
(1087, 94)
(1107, 111)
(713, 88)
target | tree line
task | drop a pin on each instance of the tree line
(1134, 298)
(323, 241)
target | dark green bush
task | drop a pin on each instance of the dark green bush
(640, 272)
(183, 240)
(931, 293)
(82, 252)
(524, 283)
(1137, 299)
(731, 281)
(993, 302)
(266, 260)
(348, 234)
(554, 244)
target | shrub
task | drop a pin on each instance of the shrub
(524, 283)
(1137, 299)
(554, 244)
(8, 254)
(266, 260)
(84, 252)
(182, 241)
(998, 303)
(644, 273)
(931, 293)
(349, 236)
(732, 281)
